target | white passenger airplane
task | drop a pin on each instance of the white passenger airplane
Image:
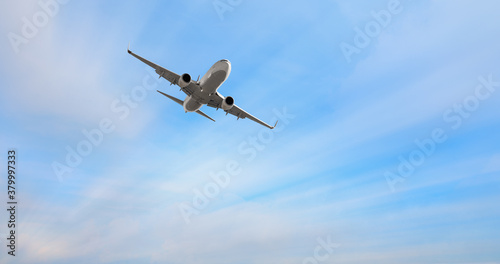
(204, 91)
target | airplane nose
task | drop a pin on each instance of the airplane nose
(224, 65)
(228, 67)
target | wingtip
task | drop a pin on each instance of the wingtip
(128, 48)
(275, 124)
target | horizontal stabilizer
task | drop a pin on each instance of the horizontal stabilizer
(179, 101)
(205, 115)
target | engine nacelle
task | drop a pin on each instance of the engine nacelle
(184, 80)
(227, 103)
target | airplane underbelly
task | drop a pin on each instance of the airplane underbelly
(191, 105)
(213, 82)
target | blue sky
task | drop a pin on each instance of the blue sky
(390, 154)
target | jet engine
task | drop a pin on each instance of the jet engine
(227, 103)
(184, 80)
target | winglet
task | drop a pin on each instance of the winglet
(128, 49)
(274, 125)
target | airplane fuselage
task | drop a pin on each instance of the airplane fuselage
(209, 83)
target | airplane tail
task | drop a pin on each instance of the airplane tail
(179, 101)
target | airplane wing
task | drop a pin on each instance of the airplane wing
(170, 76)
(237, 111)
(240, 113)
